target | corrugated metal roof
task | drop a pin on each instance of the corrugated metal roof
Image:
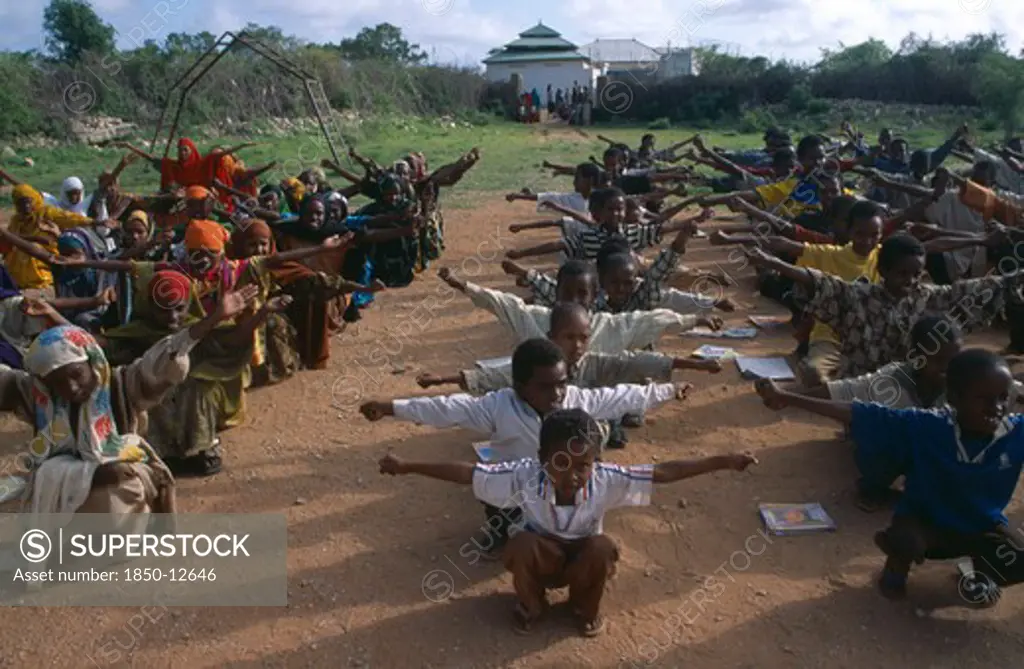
(532, 56)
(540, 30)
(553, 43)
(620, 51)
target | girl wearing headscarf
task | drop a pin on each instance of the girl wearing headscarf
(94, 286)
(183, 428)
(428, 196)
(317, 285)
(276, 357)
(294, 192)
(87, 454)
(16, 327)
(394, 261)
(72, 198)
(32, 222)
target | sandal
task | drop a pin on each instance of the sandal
(592, 628)
(979, 591)
(204, 463)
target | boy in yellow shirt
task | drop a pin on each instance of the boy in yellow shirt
(854, 261)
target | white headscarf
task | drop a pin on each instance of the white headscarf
(70, 184)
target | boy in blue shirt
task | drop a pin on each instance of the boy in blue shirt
(964, 461)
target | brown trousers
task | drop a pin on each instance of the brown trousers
(538, 563)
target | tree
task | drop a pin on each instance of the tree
(382, 42)
(869, 54)
(72, 28)
(184, 43)
(999, 86)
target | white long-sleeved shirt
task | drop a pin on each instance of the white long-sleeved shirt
(593, 370)
(513, 426)
(609, 333)
(524, 484)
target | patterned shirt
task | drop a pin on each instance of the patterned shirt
(875, 326)
(585, 244)
(648, 294)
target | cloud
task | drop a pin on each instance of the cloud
(464, 30)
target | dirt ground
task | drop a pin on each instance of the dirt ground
(376, 578)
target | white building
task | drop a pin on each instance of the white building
(541, 57)
(619, 56)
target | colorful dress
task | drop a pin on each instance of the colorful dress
(64, 462)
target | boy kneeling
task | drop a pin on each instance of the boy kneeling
(563, 495)
(961, 463)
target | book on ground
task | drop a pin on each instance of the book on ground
(786, 519)
(708, 352)
(494, 362)
(484, 451)
(776, 369)
(731, 333)
(769, 322)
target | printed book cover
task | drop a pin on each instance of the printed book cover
(776, 369)
(484, 451)
(708, 352)
(784, 519)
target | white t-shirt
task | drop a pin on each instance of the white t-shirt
(573, 201)
(525, 484)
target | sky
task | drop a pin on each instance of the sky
(462, 31)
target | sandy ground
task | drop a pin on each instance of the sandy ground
(375, 573)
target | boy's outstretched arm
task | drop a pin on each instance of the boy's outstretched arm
(775, 398)
(540, 250)
(761, 259)
(427, 380)
(453, 472)
(446, 275)
(374, 410)
(519, 227)
(677, 470)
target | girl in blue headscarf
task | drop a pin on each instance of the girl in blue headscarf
(96, 289)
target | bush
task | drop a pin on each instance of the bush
(474, 117)
(989, 124)
(756, 120)
(662, 123)
(817, 106)
(799, 99)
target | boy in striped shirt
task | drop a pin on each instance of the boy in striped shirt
(563, 494)
(608, 213)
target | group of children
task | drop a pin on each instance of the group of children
(182, 300)
(132, 326)
(880, 349)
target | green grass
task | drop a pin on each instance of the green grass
(512, 152)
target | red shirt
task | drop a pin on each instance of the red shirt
(890, 226)
(807, 236)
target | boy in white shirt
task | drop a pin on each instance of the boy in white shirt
(511, 417)
(570, 331)
(610, 333)
(563, 494)
(587, 177)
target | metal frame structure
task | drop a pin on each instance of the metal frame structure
(314, 89)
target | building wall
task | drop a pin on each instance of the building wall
(538, 74)
(677, 64)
